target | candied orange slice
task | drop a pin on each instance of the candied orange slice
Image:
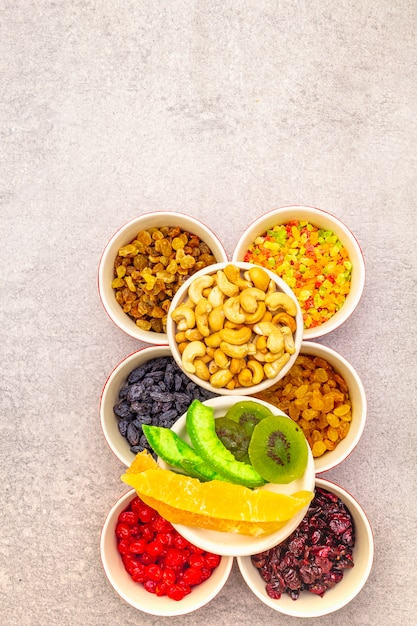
(216, 499)
(177, 516)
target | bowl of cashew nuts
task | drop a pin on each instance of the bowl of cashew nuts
(234, 327)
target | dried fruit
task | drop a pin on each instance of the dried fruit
(207, 504)
(157, 393)
(313, 558)
(149, 270)
(315, 396)
(156, 555)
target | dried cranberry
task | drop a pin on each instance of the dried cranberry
(314, 557)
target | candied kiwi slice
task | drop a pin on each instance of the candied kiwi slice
(200, 424)
(175, 451)
(278, 449)
(248, 413)
(234, 437)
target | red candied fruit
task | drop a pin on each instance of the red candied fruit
(157, 556)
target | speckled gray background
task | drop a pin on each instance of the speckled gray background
(223, 110)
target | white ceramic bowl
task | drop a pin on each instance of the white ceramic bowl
(234, 544)
(124, 236)
(357, 396)
(309, 604)
(134, 593)
(110, 396)
(324, 220)
(182, 295)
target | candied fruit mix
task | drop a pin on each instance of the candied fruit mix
(157, 556)
(150, 269)
(315, 396)
(312, 261)
(315, 556)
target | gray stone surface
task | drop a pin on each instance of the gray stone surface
(223, 110)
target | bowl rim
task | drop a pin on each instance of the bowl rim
(331, 324)
(351, 502)
(122, 323)
(175, 608)
(331, 354)
(181, 294)
(152, 352)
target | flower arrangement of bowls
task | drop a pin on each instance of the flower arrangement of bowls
(182, 295)
(134, 593)
(323, 220)
(309, 604)
(125, 235)
(230, 545)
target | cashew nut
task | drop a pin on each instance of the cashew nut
(281, 300)
(221, 359)
(192, 334)
(289, 344)
(195, 290)
(184, 316)
(273, 369)
(245, 377)
(249, 298)
(216, 296)
(216, 318)
(236, 365)
(257, 371)
(213, 340)
(235, 352)
(221, 378)
(192, 350)
(202, 310)
(275, 341)
(201, 369)
(231, 309)
(258, 315)
(236, 337)
(233, 274)
(286, 320)
(259, 278)
(228, 288)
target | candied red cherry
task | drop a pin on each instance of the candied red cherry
(175, 592)
(154, 572)
(161, 589)
(128, 517)
(155, 548)
(138, 546)
(169, 576)
(150, 585)
(192, 576)
(212, 560)
(146, 514)
(161, 525)
(147, 532)
(139, 574)
(166, 538)
(123, 546)
(197, 560)
(205, 573)
(122, 531)
(174, 558)
(181, 543)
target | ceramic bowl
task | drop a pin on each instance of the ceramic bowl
(110, 397)
(125, 235)
(182, 297)
(234, 544)
(322, 220)
(357, 397)
(308, 604)
(134, 593)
